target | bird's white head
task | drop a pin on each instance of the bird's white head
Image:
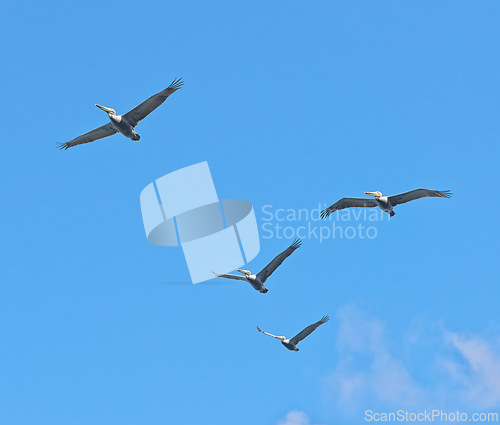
(245, 272)
(377, 194)
(110, 111)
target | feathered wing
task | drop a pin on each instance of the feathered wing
(417, 194)
(267, 333)
(348, 203)
(230, 276)
(273, 265)
(307, 331)
(96, 134)
(149, 105)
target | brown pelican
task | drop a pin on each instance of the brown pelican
(257, 280)
(291, 343)
(125, 123)
(386, 203)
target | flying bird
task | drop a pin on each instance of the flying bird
(291, 343)
(386, 203)
(257, 280)
(125, 123)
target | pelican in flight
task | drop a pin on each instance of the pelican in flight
(291, 343)
(125, 123)
(386, 203)
(257, 280)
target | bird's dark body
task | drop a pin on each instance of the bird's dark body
(257, 284)
(289, 345)
(385, 205)
(124, 127)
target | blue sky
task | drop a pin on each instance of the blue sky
(293, 105)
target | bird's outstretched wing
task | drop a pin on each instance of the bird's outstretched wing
(100, 132)
(417, 194)
(348, 203)
(266, 333)
(149, 105)
(230, 276)
(273, 265)
(307, 331)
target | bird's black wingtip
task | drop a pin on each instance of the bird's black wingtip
(62, 146)
(297, 243)
(176, 84)
(325, 213)
(325, 319)
(446, 194)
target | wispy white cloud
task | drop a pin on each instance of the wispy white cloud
(477, 375)
(295, 417)
(371, 372)
(428, 368)
(379, 377)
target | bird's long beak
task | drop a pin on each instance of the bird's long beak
(241, 271)
(103, 108)
(371, 193)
